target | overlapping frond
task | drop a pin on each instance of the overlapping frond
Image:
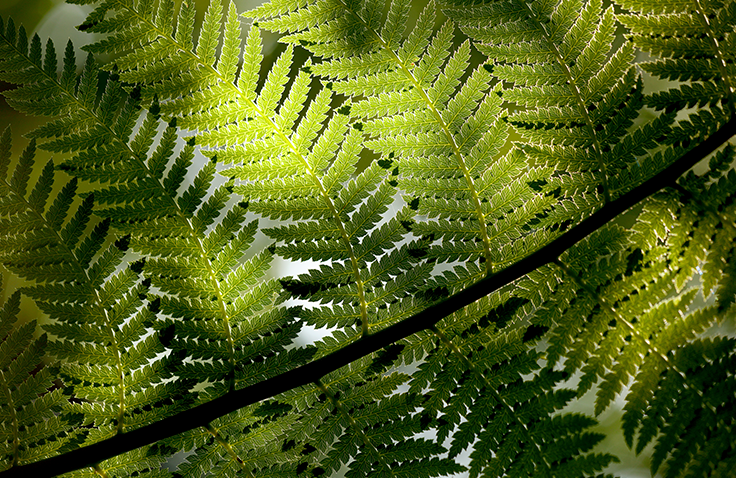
(290, 166)
(193, 264)
(158, 303)
(355, 417)
(250, 442)
(221, 311)
(688, 412)
(575, 93)
(99, 321)
(449, 141)
(617, 306)
(340, 219)
(141, 462)
(692, 45)
(485, 389)
(35, 424)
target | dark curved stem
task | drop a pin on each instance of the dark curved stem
(201, 415)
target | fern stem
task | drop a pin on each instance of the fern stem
(229, 449)
(358, 431)
(720, 60)
(99, 471)
(578, 98)
(448, 134)
(634, 331)
(492, 391)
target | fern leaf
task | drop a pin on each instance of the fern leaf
(35, 424)
(690, 43)
(285, 159)
(413, 107)
(493, 408)
(137, 194)
(570, 45)
(97, 314)
(139, 197)
(683, 414)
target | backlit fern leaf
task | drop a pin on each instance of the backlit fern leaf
(447, 140)
(477, 395)
(31, 407)
(693, 44)
(139, 194)
(368, 275)
(138, 190)
(575, 94)
(98, 316)
(157, 302)
(622, 324)
(220, 309)
(687, 412)
(354, 414)
(708, 201)
(597, 300)
(289, 169)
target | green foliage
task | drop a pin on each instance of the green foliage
(33, 428)
(409, 158)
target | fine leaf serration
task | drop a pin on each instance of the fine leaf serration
(453, 174)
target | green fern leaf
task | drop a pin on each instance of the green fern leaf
(684, 415)
(692, 42)
(415, 110)
(578, 103)
(35, 424)
(97, 316)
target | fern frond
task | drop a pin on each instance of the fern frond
(290, 168)
(585, 106)
(134, 463)
(138, 191)
(218, 306)
(34, 422)
(448, 141)
(692, 428)
(477, 396)
(709, 201)
(354, 413)
(622, 323)
(367, 270)
(692, 45)
(98, 316)
(158, 303)
(248, 442)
